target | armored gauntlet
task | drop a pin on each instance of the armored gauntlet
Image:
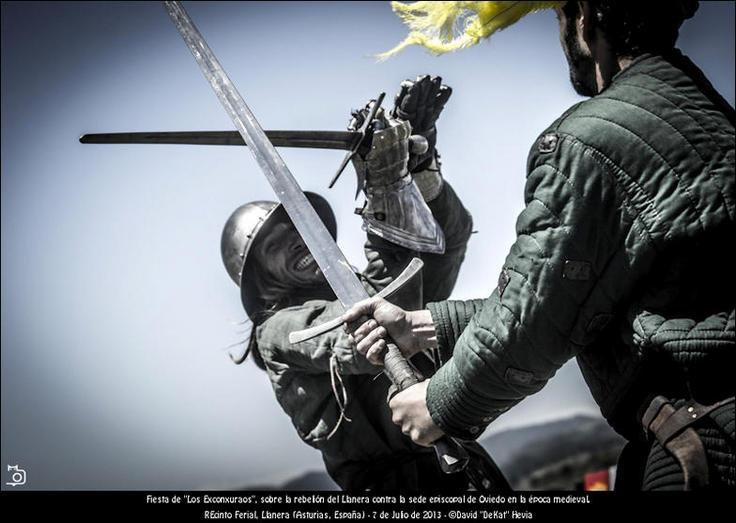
(394, 207)
(420, 103)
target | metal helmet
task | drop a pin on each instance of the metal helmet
(247, 225)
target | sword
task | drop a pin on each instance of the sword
(350, 141)
(335, 267)
(340, 140)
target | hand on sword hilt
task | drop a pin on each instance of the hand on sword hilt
(414, 266)
(451, 455)
(374, 324)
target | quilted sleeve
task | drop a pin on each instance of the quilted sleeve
(450, 319)
(573, 259)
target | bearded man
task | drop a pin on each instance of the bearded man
(622, 257)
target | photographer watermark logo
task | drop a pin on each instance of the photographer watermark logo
(17, 476)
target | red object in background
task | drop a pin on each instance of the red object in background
(598, 480)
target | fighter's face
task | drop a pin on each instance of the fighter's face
(285, 261)
(579, 59)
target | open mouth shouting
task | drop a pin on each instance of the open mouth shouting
(304, 262)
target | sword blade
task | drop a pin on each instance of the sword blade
(340, 140)
(335, 267)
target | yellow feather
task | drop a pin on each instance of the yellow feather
(442, 27)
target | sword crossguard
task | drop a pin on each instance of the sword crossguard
(415, 265)
(364, 136)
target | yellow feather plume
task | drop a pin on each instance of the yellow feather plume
(442, 27)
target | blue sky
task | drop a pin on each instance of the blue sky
(116, 309)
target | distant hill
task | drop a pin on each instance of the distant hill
(554, 455)
(546, 456)
(313, 480)
(310, 480)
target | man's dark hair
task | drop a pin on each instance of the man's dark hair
(252, 347)
(634, 28)
(271, 308)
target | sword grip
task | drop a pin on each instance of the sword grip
(451, 455)
(397, 368)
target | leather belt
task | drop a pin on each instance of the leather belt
(673, 429)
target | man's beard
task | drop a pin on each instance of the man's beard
(582, 67)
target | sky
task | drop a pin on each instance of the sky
(116, 309)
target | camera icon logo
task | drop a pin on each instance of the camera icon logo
(18, 476)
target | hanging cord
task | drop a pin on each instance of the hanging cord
(341, 399)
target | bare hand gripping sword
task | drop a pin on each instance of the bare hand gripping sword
(327, 254)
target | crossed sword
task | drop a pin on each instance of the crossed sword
(262, 144)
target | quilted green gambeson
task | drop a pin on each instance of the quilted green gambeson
(623, 259)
